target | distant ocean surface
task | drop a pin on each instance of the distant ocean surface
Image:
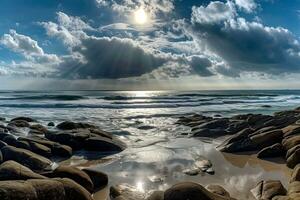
(140, 113)
(119, 110)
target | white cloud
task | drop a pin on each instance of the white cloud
(214, 12)
(21, 43)
(247, 5)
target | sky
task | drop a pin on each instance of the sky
(149, 44)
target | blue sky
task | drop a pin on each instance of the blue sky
(149, 44)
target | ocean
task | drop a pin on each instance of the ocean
(158, 151)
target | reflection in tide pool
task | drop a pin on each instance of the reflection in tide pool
(158, 166)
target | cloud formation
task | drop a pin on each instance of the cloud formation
(247, 46)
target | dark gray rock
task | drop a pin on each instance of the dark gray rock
(268, 189)
(73, 173)
(11, 170)
(275, 150)
(26, 158)
(68, 125)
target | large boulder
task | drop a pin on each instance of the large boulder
(266, 190)
(47, 189)
(294, 190)
(291, 130)
(73, 173)
(17, 190)
(294, 158)
(74, 191)
(217, 189)
(11, 170)
(99, 179)
(56, 148)
(43, 189)
(238, 142)
(38, 129)
(276, 150)
(267, 138)
(27, 119)
(68, 125)
(103, 144)
(214, 124)
(296, 174)
(19, 123)
(189, 191)
(73, 138)
(290, 142)
(26, 158)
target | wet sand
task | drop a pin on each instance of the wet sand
(160, 164)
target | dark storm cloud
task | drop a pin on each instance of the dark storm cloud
(201, 65)
(248, 46)
(112, 58)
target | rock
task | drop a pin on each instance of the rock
(238, 142)
(26, 158)
(290, 142)
(19, 123)
(56, 148)
(296, 174)
(146, 127)
(2, 119)
(73, 173)
(266, 190)
(67, 125)
(188, 191)
(11, 170)
(214, 124)
(294, 190)
(156, 195)
(39, 128)
(73, 138)
(48, 189)
(27, 119)
(43, 189)
(192, 171)
(17, 190)
(74, 191)
(61, 150)
(23, 145)
(2, 144)
(293, 159)
(216, 189)
(205, 132)
(51, 124)
(99, 132)
(267, 138)
(40, 149)
(10, 140)
(126, 192)
(99, 179)
(292, 150)
(237, 126)
(103, 144)
(275, 150)
(291, 130)
(3, 135)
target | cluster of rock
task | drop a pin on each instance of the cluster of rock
(269, 136)
(274, 190)
(179, 191)
(27, 171)
(264, 135)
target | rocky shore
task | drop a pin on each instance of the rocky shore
(29, 169)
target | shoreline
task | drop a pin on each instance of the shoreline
(46, 143)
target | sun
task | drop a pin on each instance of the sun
(140, 16)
